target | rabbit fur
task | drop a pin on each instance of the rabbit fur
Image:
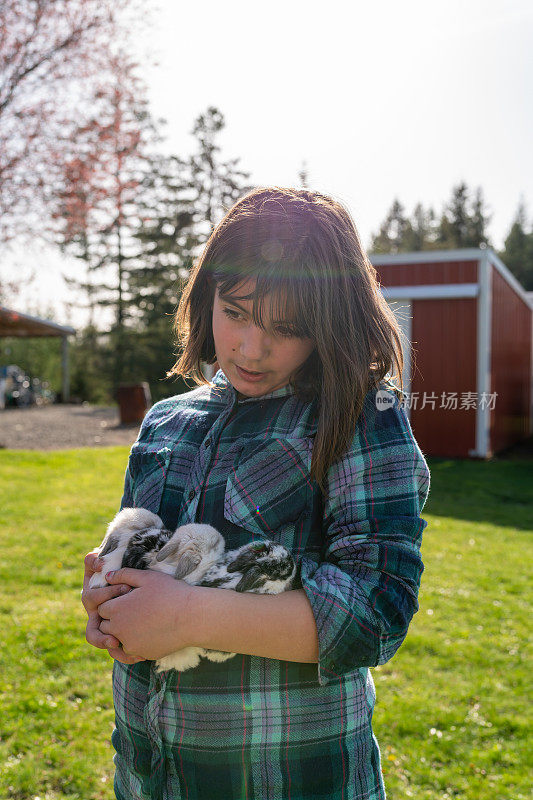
(196, 554)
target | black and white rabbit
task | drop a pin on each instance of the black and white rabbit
(194, 553)
(137, 538)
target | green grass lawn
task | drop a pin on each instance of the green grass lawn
(451, 715)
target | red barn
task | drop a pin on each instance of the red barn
(469, 375)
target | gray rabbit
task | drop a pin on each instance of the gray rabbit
(196, 554)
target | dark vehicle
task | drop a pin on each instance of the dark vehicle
(17, 387)
(19, 390)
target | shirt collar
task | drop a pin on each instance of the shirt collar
(223, 383)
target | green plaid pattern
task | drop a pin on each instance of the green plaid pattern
(256, 728)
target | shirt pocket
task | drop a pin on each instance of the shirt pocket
(148, 467)
(269, 492)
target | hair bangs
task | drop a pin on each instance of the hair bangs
(282, 295)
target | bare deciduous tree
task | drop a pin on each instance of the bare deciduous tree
(51, 52)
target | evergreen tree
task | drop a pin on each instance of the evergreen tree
(303, 175)
(421, 232)
(90, 366)
(168, 242)
(167, 237)
(459, 226)
(182, 199)
(142, 220)
(479, 220)
(393, 232)
(517, 254)
(216, 184)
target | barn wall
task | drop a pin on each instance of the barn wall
(437, 272)
(510, 364)
(444, 361)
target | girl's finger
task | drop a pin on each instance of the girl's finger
(92, 598)
(91, 564)
(133, 577)
(94, 635)
(119, 655)
(104, 627)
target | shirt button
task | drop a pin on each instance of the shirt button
(191, 494)
(207, 443)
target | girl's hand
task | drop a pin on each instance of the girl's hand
(152, 620)
(91, 599)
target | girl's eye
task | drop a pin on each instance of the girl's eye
(285, 330)
(231, 313)
(279, 330)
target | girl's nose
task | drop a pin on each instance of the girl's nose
(255, 344)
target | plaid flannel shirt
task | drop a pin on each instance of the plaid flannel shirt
(257, 728)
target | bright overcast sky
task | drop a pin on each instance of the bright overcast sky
(380, 100)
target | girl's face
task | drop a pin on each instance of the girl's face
(270, 356)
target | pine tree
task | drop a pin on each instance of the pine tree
(518, 249)
(479, 220)
(393, 232)
(303, 175)
(459, 226)
(182, 199)
(217, 184)
(167, 238)
(168, 242)
(421, 232)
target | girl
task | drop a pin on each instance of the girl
(300, 438)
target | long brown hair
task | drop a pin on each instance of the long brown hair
(303, 249)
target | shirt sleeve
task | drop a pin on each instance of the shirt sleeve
(364, 590)
(144, 434)
(127, 496)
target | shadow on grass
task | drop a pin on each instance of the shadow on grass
(498, 491)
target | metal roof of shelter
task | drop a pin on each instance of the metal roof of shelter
(13, 323)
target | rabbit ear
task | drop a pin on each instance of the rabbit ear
(109, 544)
(182, 553)
(244, 560)
(252, 578)
(187, 564)
(170, 549)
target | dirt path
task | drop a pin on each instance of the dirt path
(59, 427)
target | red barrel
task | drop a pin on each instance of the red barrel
(134, 400)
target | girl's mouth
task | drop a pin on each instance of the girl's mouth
(249, 376)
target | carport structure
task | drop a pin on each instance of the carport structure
(14, 323)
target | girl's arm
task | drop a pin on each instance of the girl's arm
(278, 626)
(364, 590)
(163, 615)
